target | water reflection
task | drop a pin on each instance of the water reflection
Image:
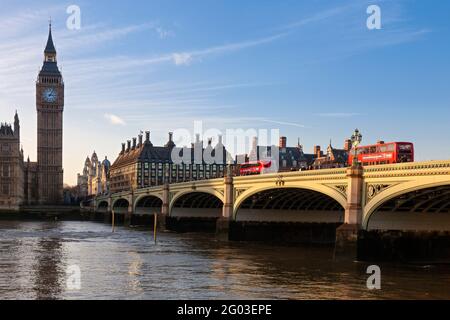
(48, 269)
(128, 265)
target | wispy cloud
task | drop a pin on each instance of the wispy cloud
(164, 33)
(101, 84)
(181, 59)
(227, 48)
(316, 17)
(115, 120)
(283, 123)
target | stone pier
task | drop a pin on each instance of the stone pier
(347, 234)
(223, 223)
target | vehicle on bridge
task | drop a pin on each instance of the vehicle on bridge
(383, 153)
(257, 167)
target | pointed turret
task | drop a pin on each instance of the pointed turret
(50, 67)
(50, 47)
(16, 125)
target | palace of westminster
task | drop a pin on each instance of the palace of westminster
(36, 183)
(139, 164)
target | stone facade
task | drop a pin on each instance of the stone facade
(11, 167)
(334, 158)
(41, 182)
(289, 158)
(140, 164)
(94, 180)
(50, 107)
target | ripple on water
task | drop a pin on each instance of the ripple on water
(34, 257)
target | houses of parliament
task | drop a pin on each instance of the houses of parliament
(29, 183)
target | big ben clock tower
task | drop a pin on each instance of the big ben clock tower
(50, 107)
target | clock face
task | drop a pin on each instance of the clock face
(49, 95)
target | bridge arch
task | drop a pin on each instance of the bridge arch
(181, 194)
(282, 204)
(148, 201)
(322, 189)
(103, 205)
(412, 205)
(120, 205)
(200, 203)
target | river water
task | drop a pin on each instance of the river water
(35, 258)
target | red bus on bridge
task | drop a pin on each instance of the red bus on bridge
(256, 167)
(383, 153)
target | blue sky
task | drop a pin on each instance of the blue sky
(309, 68)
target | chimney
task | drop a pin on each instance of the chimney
(220, 139)
(348, 145)
(283, 143)
(128, 145)
(170, 144)
(123, 148)
(140, 140)
(147, 136)
(380, 142)
(317, 151)
(134, 143)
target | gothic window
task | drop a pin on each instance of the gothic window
(6, 171)
(5, 189)
(5, 147)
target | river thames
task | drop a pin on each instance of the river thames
(35, 257)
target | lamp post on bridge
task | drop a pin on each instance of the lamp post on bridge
(356, 141)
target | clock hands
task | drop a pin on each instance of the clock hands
(50, 95)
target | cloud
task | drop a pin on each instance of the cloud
(320, 16)
(163, 33)
(124, 79)
(237, 46)
(187, 57)
(284, 123)
(182, 59)
(115, 120)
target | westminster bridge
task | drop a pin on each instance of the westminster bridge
(407, 197)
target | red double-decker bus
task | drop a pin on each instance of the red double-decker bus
(384, 153)
(257, 167)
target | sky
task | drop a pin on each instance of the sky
(311, 69)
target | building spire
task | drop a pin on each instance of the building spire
(16, 123)
(50, 47)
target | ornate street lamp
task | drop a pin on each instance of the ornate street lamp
(356, 140)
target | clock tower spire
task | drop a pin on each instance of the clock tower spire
(50, 51)
(50, 108)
